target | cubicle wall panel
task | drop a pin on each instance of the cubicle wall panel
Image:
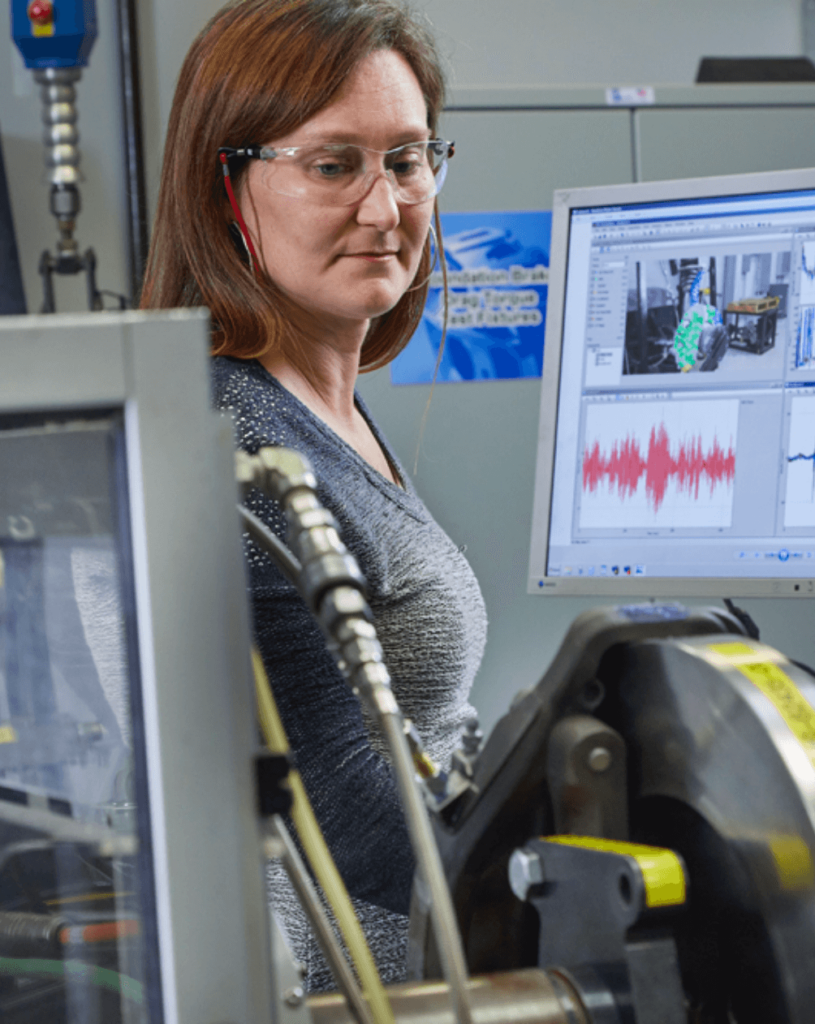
(702, 141)
(515, 159)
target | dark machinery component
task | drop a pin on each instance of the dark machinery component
(12, 296)
(709, 735)
(615, 906)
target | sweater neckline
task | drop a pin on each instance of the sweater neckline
(404, 495)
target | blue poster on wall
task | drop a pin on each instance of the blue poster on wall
(497, 274)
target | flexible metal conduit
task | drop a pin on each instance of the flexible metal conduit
(332, 585)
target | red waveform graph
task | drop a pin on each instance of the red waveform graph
(659, 464)
(625, 466)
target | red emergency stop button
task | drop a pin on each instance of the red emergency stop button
(41, 12)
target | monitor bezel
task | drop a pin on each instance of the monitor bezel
(564, 202)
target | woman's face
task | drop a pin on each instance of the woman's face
(343, 265)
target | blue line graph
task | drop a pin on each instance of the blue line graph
(806, 337)
(799, 505)
(802, 457)
(809, 271)
(806, 276)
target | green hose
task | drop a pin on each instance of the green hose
(71, 970)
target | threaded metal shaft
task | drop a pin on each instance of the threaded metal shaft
(60, 137)
(59, 115)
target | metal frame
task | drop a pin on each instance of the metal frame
(193, 636)
(565, 200)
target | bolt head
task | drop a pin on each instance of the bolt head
(525, 872)
(599, 759)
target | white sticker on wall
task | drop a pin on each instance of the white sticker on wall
(631, 96)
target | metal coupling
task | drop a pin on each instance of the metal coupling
(326, 572)
(340, 604)
(275, 471)
(282, 471)
(370, 676)
(319, 541)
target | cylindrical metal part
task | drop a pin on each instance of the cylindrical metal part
(522, 997)
(65, 202)
(25, 935)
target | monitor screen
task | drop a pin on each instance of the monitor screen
(677, 441)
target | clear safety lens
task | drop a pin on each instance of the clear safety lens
(341, 174)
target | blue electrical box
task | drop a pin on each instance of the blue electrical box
(54, 33)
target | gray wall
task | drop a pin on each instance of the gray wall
(613, 42)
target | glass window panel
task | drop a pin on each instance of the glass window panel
(73, 888)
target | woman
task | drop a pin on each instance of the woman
(299, 183)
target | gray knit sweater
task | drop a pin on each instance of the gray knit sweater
(430, 620)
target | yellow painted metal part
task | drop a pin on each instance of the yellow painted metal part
(793, 863)
(661, 870)
(769, 677)
(791, 856)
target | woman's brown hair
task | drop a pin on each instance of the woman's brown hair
(257, 71)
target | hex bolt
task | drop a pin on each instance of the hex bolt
(525, 872)
(599, 759)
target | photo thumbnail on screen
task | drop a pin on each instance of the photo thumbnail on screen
(691, 314)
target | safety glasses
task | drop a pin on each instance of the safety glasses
(341, 174)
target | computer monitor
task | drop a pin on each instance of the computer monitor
(676, 450)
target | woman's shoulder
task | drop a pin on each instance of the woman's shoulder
(236, 382)
(263, 411)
